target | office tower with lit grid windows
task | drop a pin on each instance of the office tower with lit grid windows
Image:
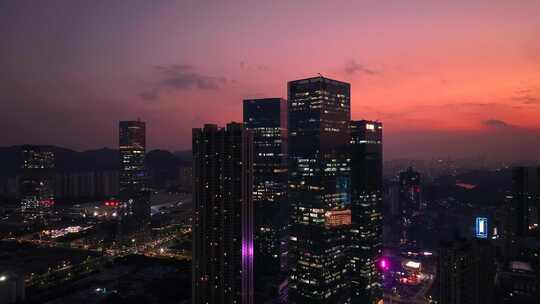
(135, 208)
(319, 135)
(366, 161)
(36, 186)
(267, 120)
(222, 265)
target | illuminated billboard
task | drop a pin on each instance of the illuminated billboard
(481, 227)
(336, 218)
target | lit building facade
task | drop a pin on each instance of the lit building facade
(267, 121)
(366, 161)
(132, 147)
(36, 184)
(135, 208)
(525, 201)
(222, 265)
(319, 134)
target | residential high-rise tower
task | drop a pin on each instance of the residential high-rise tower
(222, 265)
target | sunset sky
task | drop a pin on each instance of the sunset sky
(447, 80)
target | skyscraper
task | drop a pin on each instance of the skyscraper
(366, 206)
(525, 203)
(135, 210)
(222, 265)
(319, 115)
(132, 146)
(267, 121)
(36, 188)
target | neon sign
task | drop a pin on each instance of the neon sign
(481, 227)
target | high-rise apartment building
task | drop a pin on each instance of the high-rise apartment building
(366, 162)
(222, 265)
(319, 135)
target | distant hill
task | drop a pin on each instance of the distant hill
(163, 166)
(159, 161)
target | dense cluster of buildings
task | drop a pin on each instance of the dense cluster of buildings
(501, 264)
(288, 208)
(40, 185)
(298, 186)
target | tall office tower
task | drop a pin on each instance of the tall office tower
(132, 146)
(366, 206)
(319, 135)
(409, 197)
(466, 272)
(135, 211)
(222, 265)
(525, 202)
(267, 120)
(36, 187)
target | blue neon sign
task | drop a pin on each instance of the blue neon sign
(481, 227)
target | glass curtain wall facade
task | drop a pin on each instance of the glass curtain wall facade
(366, 206)
(319, 134)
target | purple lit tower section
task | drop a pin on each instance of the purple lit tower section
(247, 253)
(222, 226)
(247, 218)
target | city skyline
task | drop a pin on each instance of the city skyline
(282, 152)
(458, 79)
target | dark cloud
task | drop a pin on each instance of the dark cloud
(353, 67)
(528, 96)
(152, 94)
(181, 77)
(528, 100)
(495, 123)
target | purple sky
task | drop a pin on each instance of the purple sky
(460, 78)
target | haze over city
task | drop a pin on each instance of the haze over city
(453, 79)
